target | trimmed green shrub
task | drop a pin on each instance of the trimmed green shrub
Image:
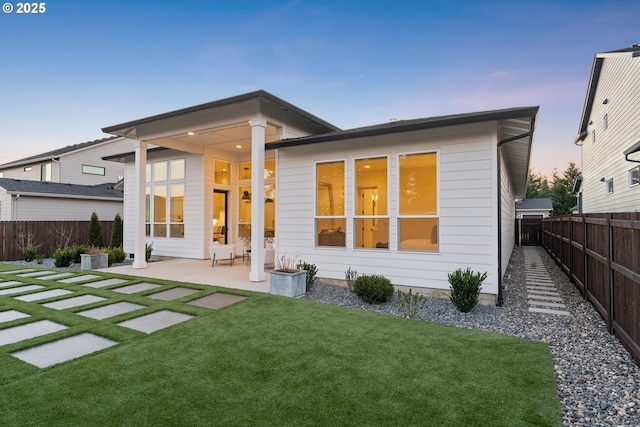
(64, 257)
(411, 304)
(110, 258)
(117, 253)
(465, 288)
(148, 248)
(373, 289)
(312, 271)
(95, 232)
(78, 250)
(116, 232)
(350, 276)
(29, 254)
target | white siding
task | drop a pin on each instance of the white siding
(71, 164)
(5, 206)
(619, 83)
(467, 206)
(58, 209)
(507, 216)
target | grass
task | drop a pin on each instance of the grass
(271, 360)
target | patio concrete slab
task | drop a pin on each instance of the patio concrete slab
(155, 321)
(9, 315)
(22, 270)
(172, 294)
(64, 349)
(104, 283)
(38, 296)
(74, 302)
(29, 330)
(36, 273)
(138, 287)
(110, 310)
(216, 301)
(9, 283)
(20, 289)
(55, 276)
(81, 278)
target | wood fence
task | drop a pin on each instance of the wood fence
(601, 255)
(528, 231)
(45, 235)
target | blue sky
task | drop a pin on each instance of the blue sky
(84, 65)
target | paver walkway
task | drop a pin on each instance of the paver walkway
(542, 293)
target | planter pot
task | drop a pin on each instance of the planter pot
(288, 284)
(94, 262)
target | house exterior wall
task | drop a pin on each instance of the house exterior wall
(5, 206)
(507, 216)
(467, 209)
(29, 208)
(619, 83)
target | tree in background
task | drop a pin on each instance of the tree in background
(116, 232)
(537, 186)
(95, 232)
(560, 192)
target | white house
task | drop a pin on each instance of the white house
(609, 134)
(413, 200)
(534, 208)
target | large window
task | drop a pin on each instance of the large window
(371, 220)
(93, 170)
(330, 208)
(45, 172)
(221, 172)
(165, 192)
(418, 202)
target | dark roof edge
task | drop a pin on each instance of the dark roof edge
(588, 102)
(221, 103)
(408, 125)
(117, 157)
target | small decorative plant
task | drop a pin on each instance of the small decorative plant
(40, 258)
(373, 289)
(63, 257)
(148, 248)
(350, 276)
(95, 232)
(29, 254)
(465, 288)
(311, 270)
(285, 264)
(411, 304)
(117, 253)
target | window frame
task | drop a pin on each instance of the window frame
(166, 184)
(630, 176)
(85, 171)
(376, 219)
(343, 218)
(609, 186)
(46, 172)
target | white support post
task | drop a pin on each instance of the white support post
(139, 260)
(258, 131)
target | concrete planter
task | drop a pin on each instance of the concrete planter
(94, 262)
(288, 284)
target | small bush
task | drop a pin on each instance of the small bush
(465, 288)
(116, 232)
(110, 258)
(117, 253)
(95, 232)
(148, 248)
(350, 276)
(411, 304)
(64, 257)
(373, 289)
(312, 271)
(29, 254)
(78, 250)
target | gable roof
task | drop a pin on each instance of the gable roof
(56, 189)
(55, 154)
(543, 203)
(632, 51)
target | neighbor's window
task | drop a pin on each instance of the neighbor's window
(221, 172)
(418, 202)
(93, 170)
(610, 186)
(165, 193)
(605, 121)
(371, 220)
(45, 172)
(28, 168)
(593, 136)
(330, 211)
(634, 176)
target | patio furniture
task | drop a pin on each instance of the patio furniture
(218, 251)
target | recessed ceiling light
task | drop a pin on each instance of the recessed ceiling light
(238, 146)
(367, 166)
(190, 133)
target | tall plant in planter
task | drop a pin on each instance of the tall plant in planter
(116, 232)
(95, 232)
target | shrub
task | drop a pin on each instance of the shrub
(95, 232)
(78, 250)
(373, 289)
(465, 288)
(410, 304)
(312, 271)
(110, 258)
(350, 276)
(116, 233)
(63, 257)
(29, 254)
(117, 253)
(285, 265)
(148, 248)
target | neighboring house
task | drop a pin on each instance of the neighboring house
(23, 200)
(534, 208)
(413, 200)
(609, 134)
(75, 164)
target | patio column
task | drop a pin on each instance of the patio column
(139, 204)
(258, 129)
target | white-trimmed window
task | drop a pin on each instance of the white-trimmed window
(634, 176)
(165, 194)
(45, 172)
(609, 186)
(371, 204)
(418, 222)
(93, 170)
(330, 219)
(605, 121)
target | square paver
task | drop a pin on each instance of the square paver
(215, 301)
(171, 294)
(20, 289)
(74, 302)
(81, 278)
(9, 283)
(36, 273)
(29, 330)
(110, 310)
(105, 282)
(64, 349)
(37, 296)
(134, 289)
(155, 321)
(9, 315)
(55, 276)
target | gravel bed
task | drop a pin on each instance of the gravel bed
(597, 380)
(50, 263)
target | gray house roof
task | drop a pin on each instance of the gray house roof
(54, 154)
(56, 189)
(534, 204)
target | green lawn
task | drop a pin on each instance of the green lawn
(278, 361)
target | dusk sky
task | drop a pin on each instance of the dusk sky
(84, 65)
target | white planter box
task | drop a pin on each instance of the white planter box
(288, 284)
(94, 262)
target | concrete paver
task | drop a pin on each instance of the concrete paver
(9, 315)
(22, 270)
(138, 287)
(110, 310)
(172, 294)
(55, 276)
(36, 273)
(217, 300)
(155, 321)
(38, 296)
(64, 349)
(104, 283)
(9, 283)
(74, 302)
(81, 278)
(20, 289)
(29, 330)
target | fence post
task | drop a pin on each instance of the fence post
(610, 271)
(585, 259)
